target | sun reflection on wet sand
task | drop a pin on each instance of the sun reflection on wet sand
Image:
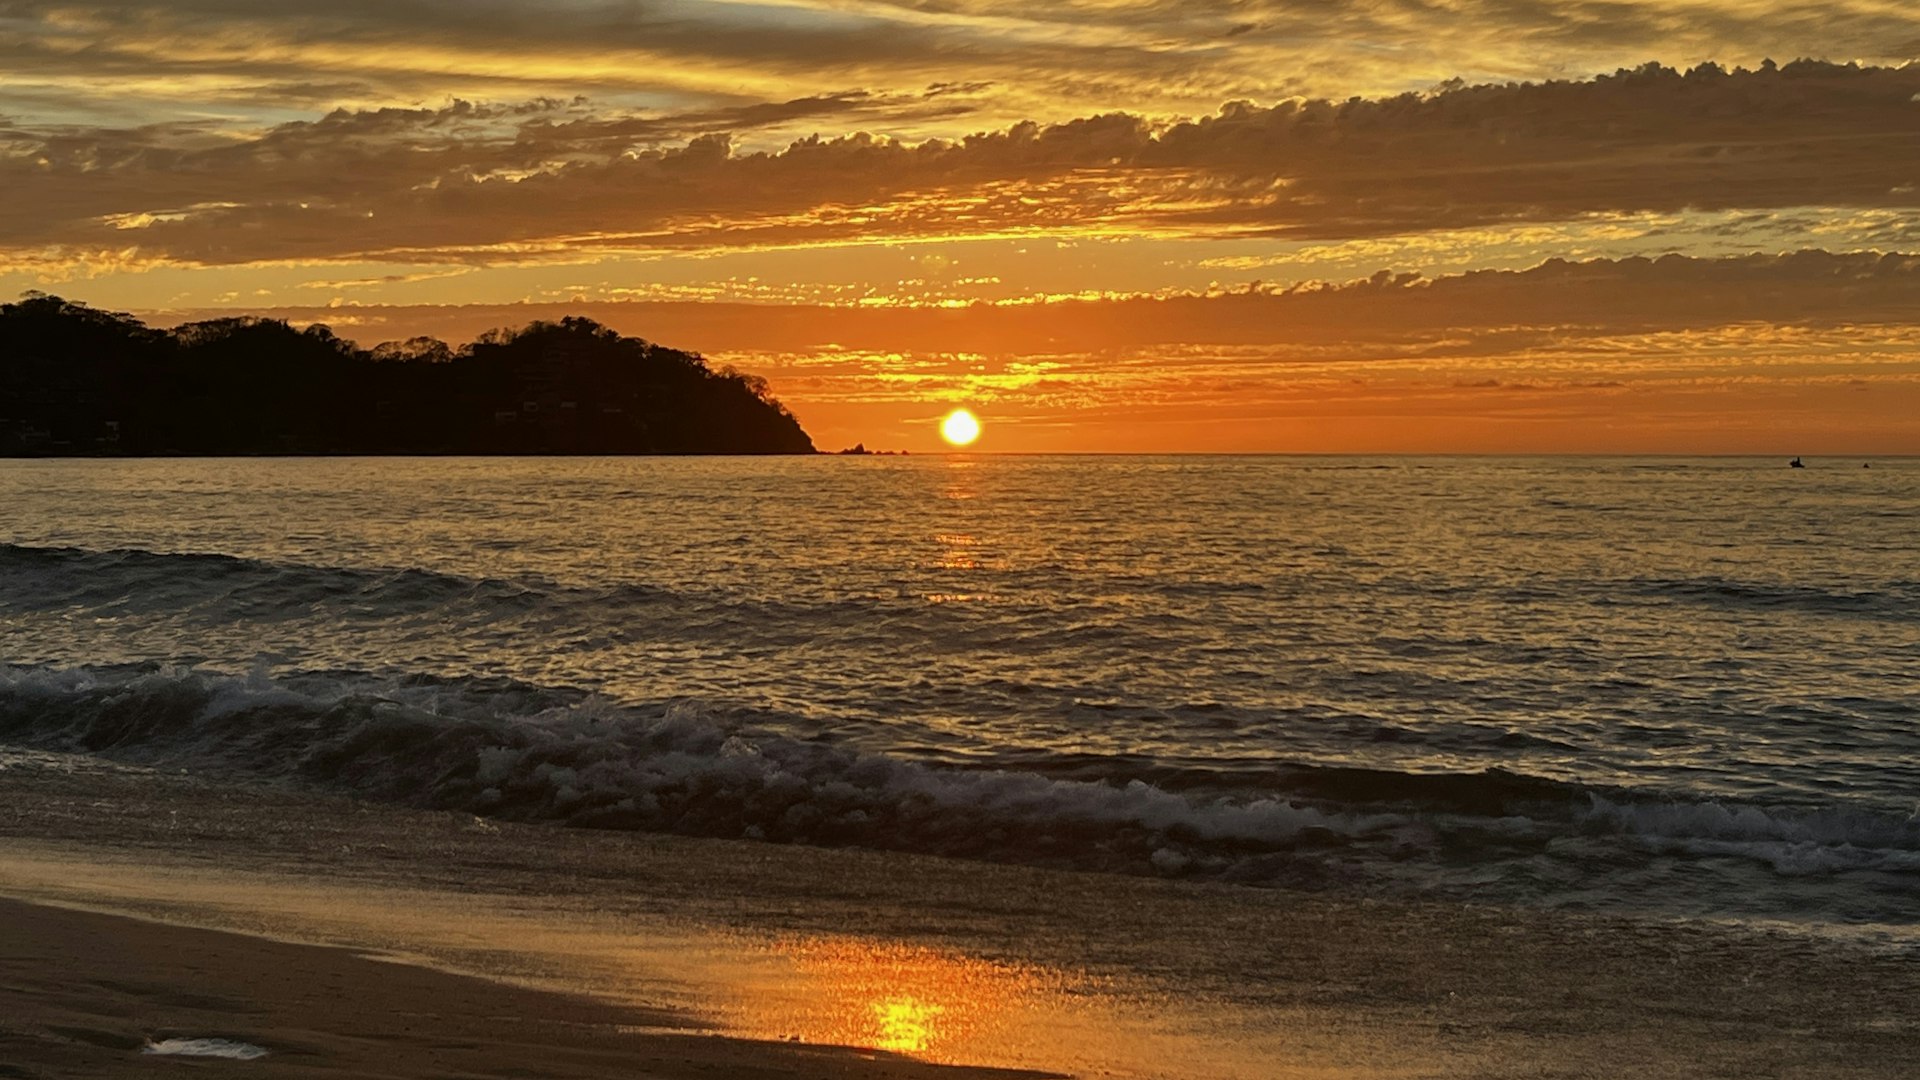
(951, 1007)
(906, 1024)
(908, 999)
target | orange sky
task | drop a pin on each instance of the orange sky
(1105, 225)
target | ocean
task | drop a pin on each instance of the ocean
(1663, 687)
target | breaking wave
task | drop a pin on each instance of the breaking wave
(520, 752)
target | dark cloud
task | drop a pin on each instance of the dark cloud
(230, 51)
(1044, 59)
(476, 183)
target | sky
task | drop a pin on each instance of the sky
(1102, 225)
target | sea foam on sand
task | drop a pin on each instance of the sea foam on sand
(214, 1048)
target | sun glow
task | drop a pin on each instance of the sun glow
(960, 428)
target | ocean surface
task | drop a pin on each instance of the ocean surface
(1665, 686)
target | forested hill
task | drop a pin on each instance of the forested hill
(78, 381)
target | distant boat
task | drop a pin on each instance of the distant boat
(1795, 464)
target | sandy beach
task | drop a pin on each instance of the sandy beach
(620, 954)
(92, 995)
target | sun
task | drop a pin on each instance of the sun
(960, 427)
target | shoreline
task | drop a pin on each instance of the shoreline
(968, 963)
(751, 940)
(92, 994)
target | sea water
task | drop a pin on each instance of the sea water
(1665, 686)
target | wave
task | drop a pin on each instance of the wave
(230, 588)
(506, 749)
(1895, 600)
(42, 577)
(526, 753)
(1492, 792)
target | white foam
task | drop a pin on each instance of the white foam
(213, 1048)
(682, 767)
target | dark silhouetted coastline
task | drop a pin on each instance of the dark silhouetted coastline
(77, 381)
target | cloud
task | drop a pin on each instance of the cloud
(204, 51)
(1809, 299)
(1157, 56)
(552, 179)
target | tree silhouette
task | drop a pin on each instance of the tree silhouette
(74, 380)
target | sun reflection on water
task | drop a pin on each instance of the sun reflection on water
(956, 552)
(961, 483)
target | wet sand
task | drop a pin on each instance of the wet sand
(85, 995)
(941, 960)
